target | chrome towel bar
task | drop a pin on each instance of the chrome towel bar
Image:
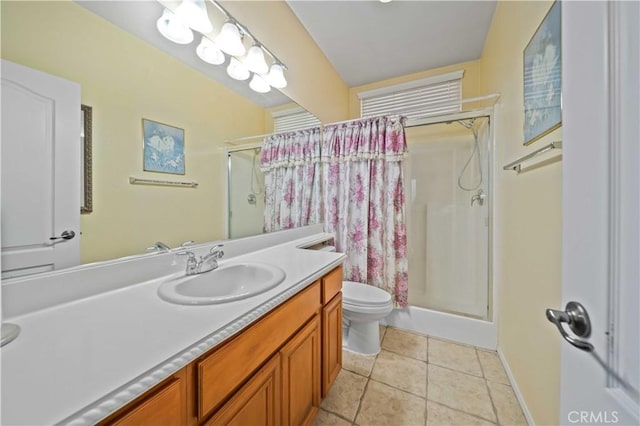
(516, 166)
(134, 180)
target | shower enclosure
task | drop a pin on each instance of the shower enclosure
(245, 192)
(448, 208)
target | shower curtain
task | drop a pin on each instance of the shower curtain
(364, 201)
(291, 163)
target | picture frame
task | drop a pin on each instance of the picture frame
(543, 78)
(163, 148)
(86, 168)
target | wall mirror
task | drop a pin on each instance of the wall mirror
(86, 123)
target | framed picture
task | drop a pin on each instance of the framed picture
(86, 169)
(542, 78)
(163, 148)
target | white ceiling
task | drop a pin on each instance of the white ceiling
(369, 41)
(365, 40)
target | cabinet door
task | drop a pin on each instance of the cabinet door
(257, 402)
(331, 342)
(301, 375)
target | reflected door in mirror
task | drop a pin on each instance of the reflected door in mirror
(40, 171)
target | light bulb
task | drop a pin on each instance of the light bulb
(276, 76)
(237, 70)
(230, 41)
(209, 52)
(173, 29)
(255, 60)
(259, 84)
(194, 14)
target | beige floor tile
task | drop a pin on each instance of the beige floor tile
(345, 394)
(325, 418)
(384, 405)
(439, 415)
(460, 391)
(383, 331)
(399, 371)
(492, 367)
(361, 364)
(452, 355)
(507, 406)
(405, 343)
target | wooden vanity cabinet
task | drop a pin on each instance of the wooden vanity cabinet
(275, 372)
(331, 328)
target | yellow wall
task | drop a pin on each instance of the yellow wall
(470, 83)
(124, 79)
(313, 83)
(527, 218)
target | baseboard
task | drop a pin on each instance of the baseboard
(516, 389)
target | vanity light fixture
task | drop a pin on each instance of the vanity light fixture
(259, 84)
(230, 40)
(209, 52)
(177, 25)
(255, 60)
(172, 28)
(237, 70)
(193, 13)
(276, 76)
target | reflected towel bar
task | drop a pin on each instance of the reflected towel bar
(516, 166)
(134, 180)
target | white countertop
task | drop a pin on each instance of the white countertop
(79, 361)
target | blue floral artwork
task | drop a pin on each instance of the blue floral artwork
(542, 78)
(163, 148)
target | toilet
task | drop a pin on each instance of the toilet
(362, 307)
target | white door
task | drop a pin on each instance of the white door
(601, 196)
(40, 171)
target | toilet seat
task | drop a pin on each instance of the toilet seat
(363, 295)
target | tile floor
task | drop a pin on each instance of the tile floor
(421, 380)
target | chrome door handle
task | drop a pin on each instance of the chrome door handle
(66, 235)
(576, 317)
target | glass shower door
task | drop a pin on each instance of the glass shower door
(448, 217)
(246, 193)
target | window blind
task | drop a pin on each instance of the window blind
(418, 99)
(293, 119)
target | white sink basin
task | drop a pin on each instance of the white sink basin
(225, 284)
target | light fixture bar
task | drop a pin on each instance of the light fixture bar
(246, 31)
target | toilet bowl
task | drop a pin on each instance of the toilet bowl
(362, 307)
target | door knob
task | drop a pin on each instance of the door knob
(66, 235)
(576, 317)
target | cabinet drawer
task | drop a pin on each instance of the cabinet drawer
(331, 284)
(219, 373)
(162, 407)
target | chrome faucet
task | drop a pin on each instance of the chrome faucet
(159, 246)
(206, 263)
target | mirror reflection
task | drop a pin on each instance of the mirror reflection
(125, 79)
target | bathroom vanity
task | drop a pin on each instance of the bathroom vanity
(275, 372)
(98, 345)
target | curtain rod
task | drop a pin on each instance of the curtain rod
(495, 96)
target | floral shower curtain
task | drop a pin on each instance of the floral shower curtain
(291, 163)
(364, 201)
